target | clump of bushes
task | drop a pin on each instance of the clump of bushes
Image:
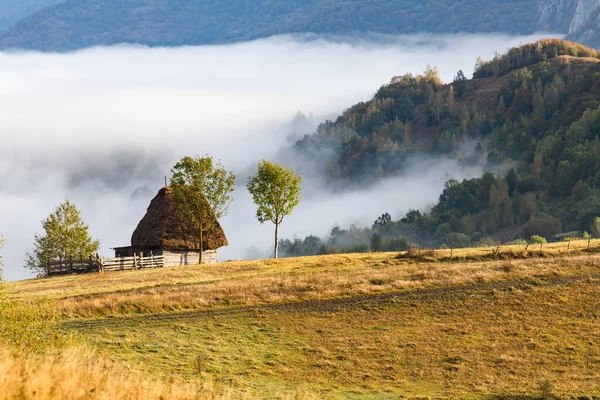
(536, 239)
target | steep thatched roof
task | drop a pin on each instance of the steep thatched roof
(163, 227)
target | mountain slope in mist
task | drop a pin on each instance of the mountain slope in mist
(83, 23)
(12, 11)
(532, 115)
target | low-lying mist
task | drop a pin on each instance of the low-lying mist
(103, 126)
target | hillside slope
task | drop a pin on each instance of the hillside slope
(479, 325)
(12, 11)
(529, 118)
(81, 23)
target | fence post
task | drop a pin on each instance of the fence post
(569, 246)
(541, 245)
(589, 241)
(451, 251)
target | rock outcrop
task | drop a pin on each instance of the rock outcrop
(580, 19)
(556, 15)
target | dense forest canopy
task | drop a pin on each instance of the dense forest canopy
(83, 23)
(534, 114)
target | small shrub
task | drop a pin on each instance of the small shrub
(547, 390)
(199, 363)
(535, 239)
(377, 282)
(486, 242)
(508, 267)
(413, 251)
(428, 253)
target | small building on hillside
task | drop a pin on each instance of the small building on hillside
(164, 232)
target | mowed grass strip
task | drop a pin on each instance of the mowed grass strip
(526, 340)
(299, 279)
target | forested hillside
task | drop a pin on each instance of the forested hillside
(531, 117)
(82, 23)
(13, 10)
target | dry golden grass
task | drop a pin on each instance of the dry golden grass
(77, 373)
(289, 280)
(471, 342)
(346, 326)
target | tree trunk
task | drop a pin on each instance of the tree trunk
(201, 243)
(276, 240)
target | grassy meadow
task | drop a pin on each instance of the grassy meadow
(482, 324)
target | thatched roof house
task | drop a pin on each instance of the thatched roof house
(163, 231)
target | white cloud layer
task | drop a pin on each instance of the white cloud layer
(96, 124)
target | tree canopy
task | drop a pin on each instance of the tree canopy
(276, 192)
(201, 188)
(65, 235)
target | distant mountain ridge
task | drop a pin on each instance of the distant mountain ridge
(75, 24)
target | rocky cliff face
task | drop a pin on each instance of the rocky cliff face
(580, 19)
(556, 15)
(584, 11)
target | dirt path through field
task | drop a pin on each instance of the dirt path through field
(331, 305)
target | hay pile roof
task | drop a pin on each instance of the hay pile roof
(164, 227)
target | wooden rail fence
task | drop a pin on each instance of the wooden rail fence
(96, 264)
(135, 262)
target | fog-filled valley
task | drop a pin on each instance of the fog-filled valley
(104, 126)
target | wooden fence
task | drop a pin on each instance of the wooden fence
(70, 266)
(96, 264)
(135, 262)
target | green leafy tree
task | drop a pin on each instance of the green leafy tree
(376, 242)
(201, 187)
(382, 221)
(66, 236)
(276, 191)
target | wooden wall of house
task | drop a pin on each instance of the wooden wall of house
(173, 258)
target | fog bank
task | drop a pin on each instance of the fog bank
(99, 124)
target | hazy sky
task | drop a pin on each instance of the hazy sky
(95, 125)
